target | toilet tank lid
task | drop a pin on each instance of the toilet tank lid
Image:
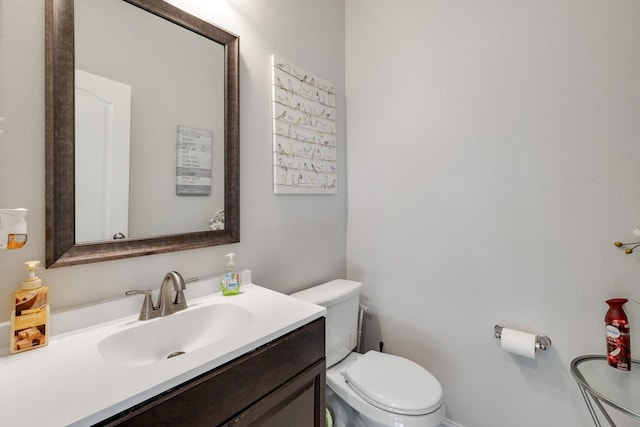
(329, 293)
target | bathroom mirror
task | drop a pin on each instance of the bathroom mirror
(63, 248)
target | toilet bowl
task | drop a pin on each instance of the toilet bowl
(372, 389)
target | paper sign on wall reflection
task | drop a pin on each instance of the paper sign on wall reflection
(194, 161)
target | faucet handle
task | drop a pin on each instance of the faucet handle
(147, 305)
(180, 302)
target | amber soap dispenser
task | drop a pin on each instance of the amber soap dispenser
(30, 313)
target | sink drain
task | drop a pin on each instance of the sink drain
(174, 354)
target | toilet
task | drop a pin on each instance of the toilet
(373, 389)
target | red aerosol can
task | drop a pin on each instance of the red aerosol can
(618, 338)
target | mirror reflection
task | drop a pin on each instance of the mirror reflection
(149, 110)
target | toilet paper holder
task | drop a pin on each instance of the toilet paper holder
(543, 342)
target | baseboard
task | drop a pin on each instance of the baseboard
(449, 423)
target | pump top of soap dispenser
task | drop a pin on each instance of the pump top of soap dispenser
(231, 264)
(33, 281)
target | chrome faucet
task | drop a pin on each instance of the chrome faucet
(165, 306)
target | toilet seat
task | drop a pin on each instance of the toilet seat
(394, 384)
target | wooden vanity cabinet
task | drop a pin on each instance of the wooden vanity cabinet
(279, 384)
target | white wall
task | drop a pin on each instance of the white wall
(494, 158)
(288, 241)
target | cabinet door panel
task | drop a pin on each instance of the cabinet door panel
(300, 403)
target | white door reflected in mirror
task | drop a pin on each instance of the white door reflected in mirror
(103, 129)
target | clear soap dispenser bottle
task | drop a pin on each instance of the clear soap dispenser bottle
(230, 284)
(30, 313)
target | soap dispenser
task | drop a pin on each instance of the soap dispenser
(30, 313)
(230, 284)
(13, 228)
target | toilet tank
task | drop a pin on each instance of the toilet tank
(341, 299)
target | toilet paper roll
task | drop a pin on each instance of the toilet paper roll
(518, 342)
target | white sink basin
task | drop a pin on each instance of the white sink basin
(150, 341)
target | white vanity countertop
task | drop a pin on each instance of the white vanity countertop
(69, 382)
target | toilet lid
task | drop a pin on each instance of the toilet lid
(394, 384)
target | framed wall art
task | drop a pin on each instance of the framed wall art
(304, 131)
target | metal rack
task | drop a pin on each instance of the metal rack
(602, 384)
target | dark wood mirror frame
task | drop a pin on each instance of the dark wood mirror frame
(61, 248)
